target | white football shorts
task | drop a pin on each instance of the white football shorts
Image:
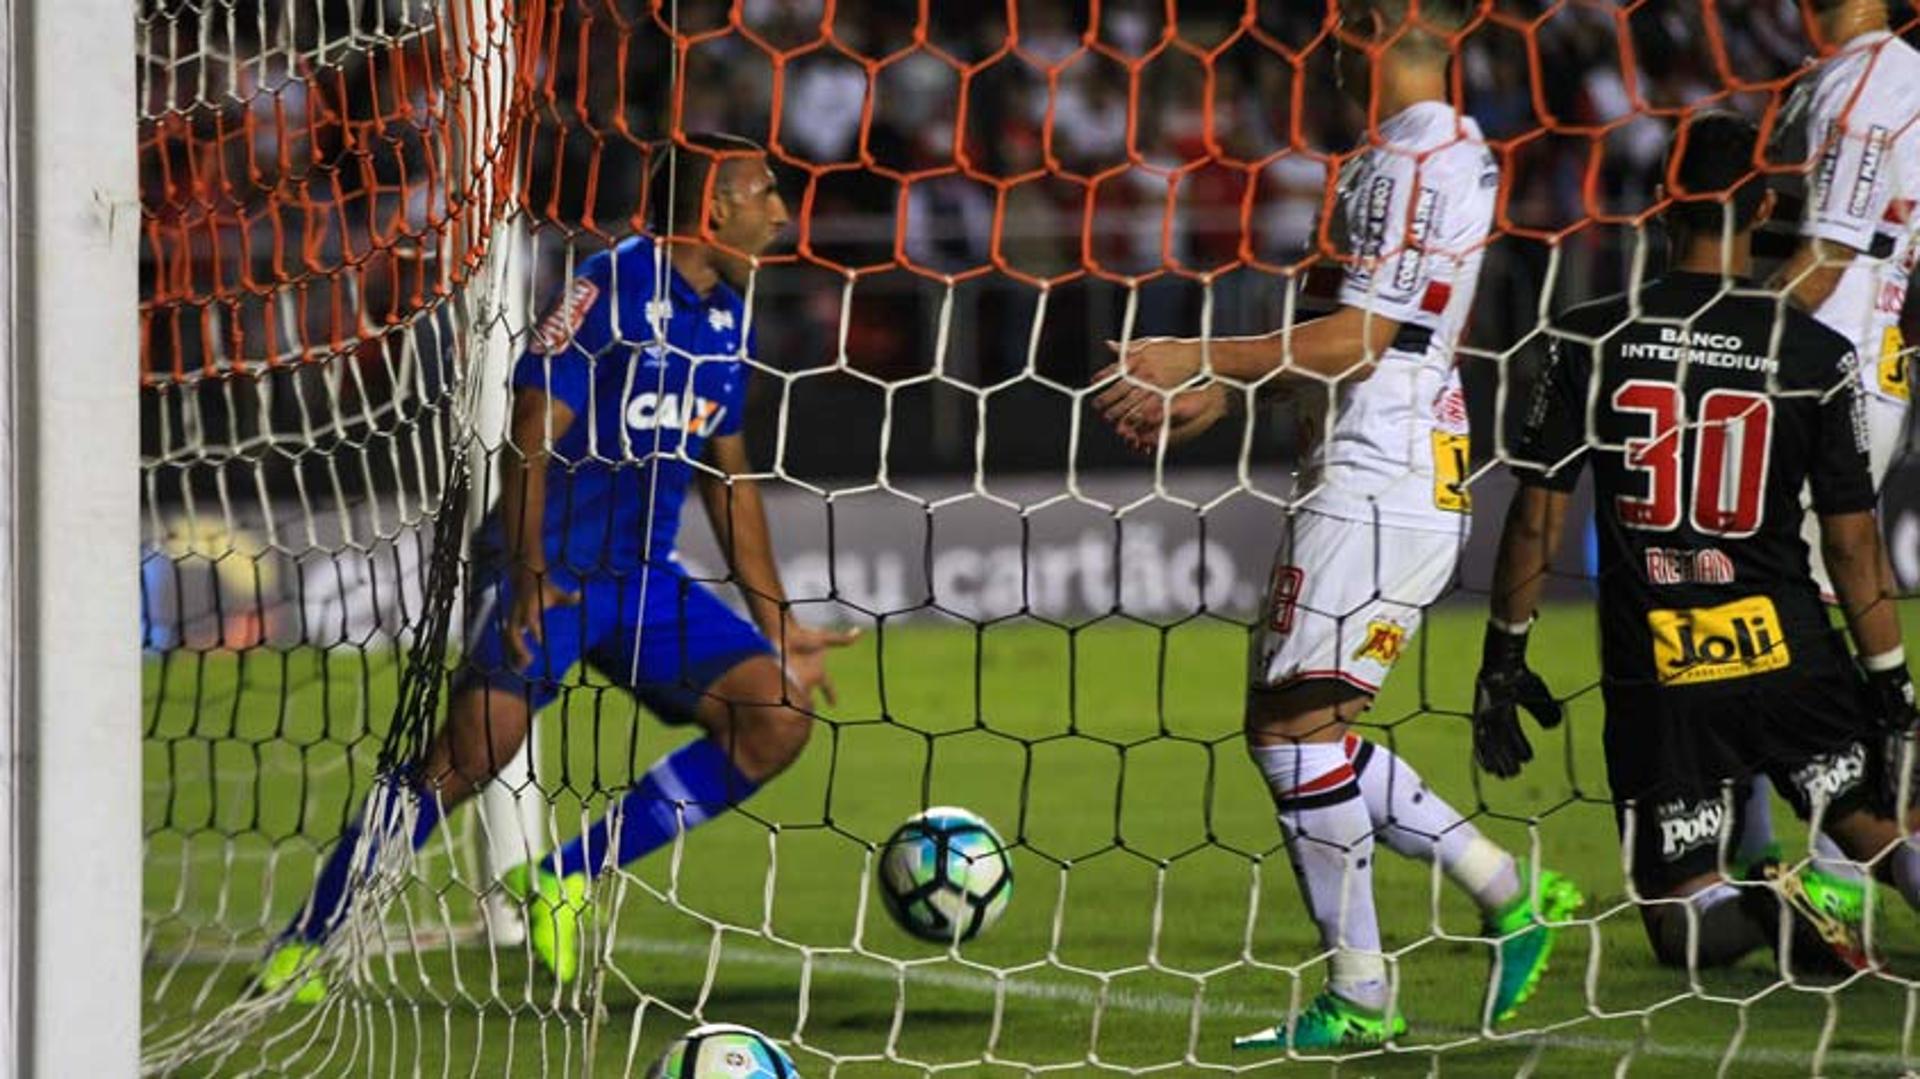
(1345, 599)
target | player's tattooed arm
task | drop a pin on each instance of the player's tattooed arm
(739, 518)
(538, 421)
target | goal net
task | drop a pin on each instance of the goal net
(355, 214)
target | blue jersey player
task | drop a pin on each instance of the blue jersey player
(630, 394)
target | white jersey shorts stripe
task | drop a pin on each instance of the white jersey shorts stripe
(1345, 599)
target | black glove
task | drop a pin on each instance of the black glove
(1891, 690)
(1890, 693)
(1505, 681)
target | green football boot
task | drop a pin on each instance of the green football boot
(1329, 1022)
(1840, 897)
(1524, 944)
(556, 911)
(1837, 896)
(287, 964)
(1822, 946)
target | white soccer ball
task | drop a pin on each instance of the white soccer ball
(946, 875)
(724, 1051)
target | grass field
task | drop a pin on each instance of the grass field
(1147, 869)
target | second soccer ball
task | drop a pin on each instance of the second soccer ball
(946, 875)
(724, 1051)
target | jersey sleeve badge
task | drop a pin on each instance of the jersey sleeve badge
(556, 331)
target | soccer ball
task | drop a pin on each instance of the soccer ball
(724, 1051)
(945, 875)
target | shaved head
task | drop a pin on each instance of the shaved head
(681, 174)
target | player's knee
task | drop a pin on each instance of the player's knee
(1714, 926)
(1313, 711)
(484, 730)
(1666, 934)
(1674, 946)
(770, 739)
(748, 712)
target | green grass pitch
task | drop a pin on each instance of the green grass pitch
(1144, 840)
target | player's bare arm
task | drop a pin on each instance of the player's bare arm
(1343, 345)
(1863, 580)
(739, 518)
(1814, 271)
(537, 422)
(1535, 520)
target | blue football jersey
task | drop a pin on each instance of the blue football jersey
(649, 384)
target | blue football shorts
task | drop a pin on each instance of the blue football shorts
(657, 632)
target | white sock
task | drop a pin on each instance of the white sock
(1755, 840)
(1417, 823)
(1330, 840)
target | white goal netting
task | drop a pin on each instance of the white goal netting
(354, 214)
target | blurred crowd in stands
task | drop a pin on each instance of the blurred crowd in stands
(1003, 146)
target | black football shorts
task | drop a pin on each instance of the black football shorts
(1678, 760)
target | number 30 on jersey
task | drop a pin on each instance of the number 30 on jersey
(1732, 437)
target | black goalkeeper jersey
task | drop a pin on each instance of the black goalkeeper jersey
(1712, 408)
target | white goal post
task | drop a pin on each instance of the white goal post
(69, 670)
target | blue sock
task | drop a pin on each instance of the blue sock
(333, 889)
(685, 789)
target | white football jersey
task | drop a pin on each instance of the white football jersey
(1418, 207)
(1851, 123)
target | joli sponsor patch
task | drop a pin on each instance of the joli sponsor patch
(1895, 380)
(1713, 644)
(1450, 458)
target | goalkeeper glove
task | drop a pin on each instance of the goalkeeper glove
(1505, 681)
(1891, 689)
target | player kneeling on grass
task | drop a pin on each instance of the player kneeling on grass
(1380, 531)
(1713, 403)
(1850, 134)
(636, 375)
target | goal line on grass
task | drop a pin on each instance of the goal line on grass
(748, 950)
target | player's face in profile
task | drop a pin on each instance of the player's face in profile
(749, 214)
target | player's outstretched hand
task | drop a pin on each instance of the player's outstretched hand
(1149, 365)
(806, 649)
(1505, 685)
(1189, 415)
(534, 594)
